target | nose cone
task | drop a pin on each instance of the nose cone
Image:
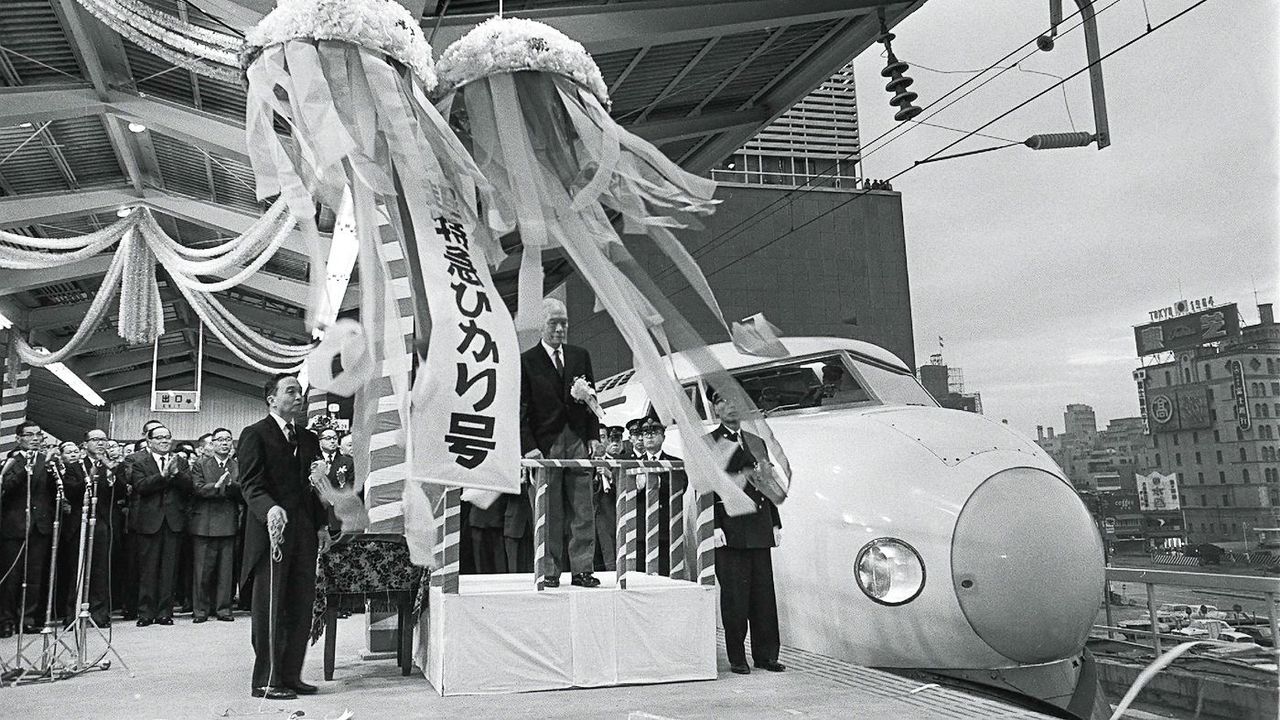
(1028, 566)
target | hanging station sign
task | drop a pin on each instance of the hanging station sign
(175, 401)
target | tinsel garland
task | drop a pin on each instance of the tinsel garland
(176, 40)
(218, 71)
(94, 316)
(177, 24)
(113, 231)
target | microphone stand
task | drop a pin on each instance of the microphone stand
(79, 626)
(20, 661)
(49, 634)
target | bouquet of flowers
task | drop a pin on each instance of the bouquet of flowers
(583, 392)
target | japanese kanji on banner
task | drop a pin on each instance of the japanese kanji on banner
(466, 416)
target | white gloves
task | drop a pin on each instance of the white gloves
(777, 537)
(717, 538)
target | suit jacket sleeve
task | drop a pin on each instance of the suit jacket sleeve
(15, 474)
(527, 442)
(253, 479)
(143, 482)
(593, 422)
(202, 485)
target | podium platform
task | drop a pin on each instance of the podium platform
(498, 634)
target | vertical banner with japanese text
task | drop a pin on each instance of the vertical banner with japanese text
(468, 433)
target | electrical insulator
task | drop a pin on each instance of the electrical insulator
(898, 83)
(1053, 141)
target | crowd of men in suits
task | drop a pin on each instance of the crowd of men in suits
(194, 526)
(169, 524)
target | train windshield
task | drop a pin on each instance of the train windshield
(829, 380)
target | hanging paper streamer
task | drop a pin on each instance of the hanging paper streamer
(348, 77)
(534, 105)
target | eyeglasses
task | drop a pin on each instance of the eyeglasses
(222, 439)
(160, 437)
(28, 433)
(329, 436)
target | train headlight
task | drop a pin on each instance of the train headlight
(889, 571)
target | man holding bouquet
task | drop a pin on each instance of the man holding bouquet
(557, 420)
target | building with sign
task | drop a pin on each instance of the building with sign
(946, 384)
(1211, 406)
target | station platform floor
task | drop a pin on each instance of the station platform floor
(202, 671)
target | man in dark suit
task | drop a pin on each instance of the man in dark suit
(276, 459)
(99, 468)
(130, 546)
(555, 425)
(744, 564)
(215, 512)
(161, 484)
(605, 492)
(653, 435)
(342, 473)
(25, 468)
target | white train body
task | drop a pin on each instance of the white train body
(1013, 567)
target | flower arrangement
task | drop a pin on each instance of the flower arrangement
(500, 45)
(382, 25)
(583, 392)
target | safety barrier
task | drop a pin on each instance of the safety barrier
(632, 523)
(1267, 588)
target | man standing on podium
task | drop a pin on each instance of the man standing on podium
(276, 456)
(555, 425)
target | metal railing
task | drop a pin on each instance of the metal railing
(1268, 588)
(631, 523)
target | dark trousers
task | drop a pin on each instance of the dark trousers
(283, 593)
(100, 574)
(519, 552)
(487, 550)
(33, 564)
(659, 484)
(211, 575)
(125, 574)
(569, 507)
(157, 572)
(182, 588)
(606, 527)
(64, 602)
(747, 601)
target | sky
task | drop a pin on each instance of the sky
(1034, 266)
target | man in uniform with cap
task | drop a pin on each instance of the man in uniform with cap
(744, 545)
(652, 436)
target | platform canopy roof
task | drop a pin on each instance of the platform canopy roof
(696, 78)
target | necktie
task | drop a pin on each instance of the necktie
(164, 462)
(559, 362)
(290, 436)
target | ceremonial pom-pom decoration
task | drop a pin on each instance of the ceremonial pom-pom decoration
(382, 25)
(500, 45)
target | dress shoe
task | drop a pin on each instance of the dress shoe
(198, 620)
(303, 688)
(6, 631)
(128, 616)
(275, 693)
(741, 669)
(586, 580)
(771, 666)
(31, 629)
(225, 618)
(143, 622)
(164, 621)
(551, 581)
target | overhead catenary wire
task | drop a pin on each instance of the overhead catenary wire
(984, 126)
(901, 129)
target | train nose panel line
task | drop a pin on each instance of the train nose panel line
(1027, 566)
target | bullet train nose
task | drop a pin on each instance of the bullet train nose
(1028, 566)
